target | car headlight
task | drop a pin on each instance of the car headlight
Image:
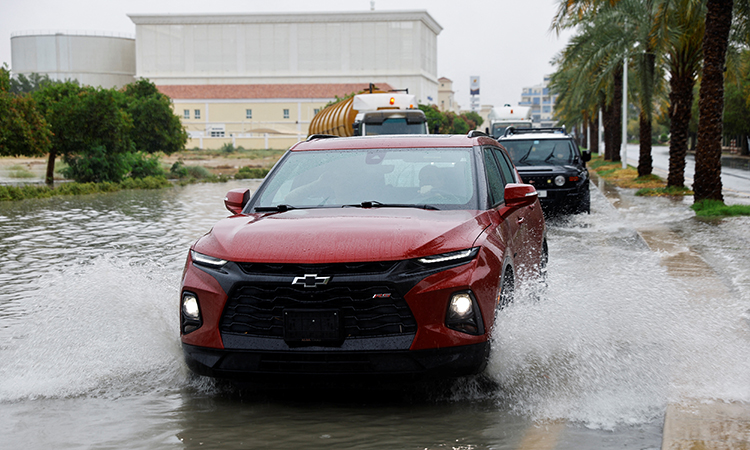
(559, 180)
(205, 260)
(190, 313)
(463, 314)
(451, 257)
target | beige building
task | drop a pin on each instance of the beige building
(252, 115)
(446, 96)
(238, 65)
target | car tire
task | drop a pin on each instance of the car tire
(507, 289)
(584, 206)
(544, 260)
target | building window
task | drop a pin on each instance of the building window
(248, 114)
(185, 113)
(197, 113)
(316, 111)
(286, 113)
(217, 133)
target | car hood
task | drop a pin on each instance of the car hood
(545, 169)
(342, 235)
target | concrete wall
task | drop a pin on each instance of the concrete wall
(93, 60)
(399, 48)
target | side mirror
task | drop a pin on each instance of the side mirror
(518, 195)
(236, 200)
(586, 155)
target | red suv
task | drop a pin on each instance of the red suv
(382, 255)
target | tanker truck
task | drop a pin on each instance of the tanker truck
(370, 113)
(508, 116)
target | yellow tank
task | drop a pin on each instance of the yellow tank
(337, 119)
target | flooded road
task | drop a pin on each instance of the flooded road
(645, 306)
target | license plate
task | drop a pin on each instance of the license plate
(541, 193)
(312, 326)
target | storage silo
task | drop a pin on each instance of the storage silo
(92, 58)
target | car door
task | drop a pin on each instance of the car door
(507, 222)
(529, 218)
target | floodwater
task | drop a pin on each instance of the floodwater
(90, 354)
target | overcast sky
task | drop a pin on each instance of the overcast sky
(507, 43)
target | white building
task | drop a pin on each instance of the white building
(394, 47)
(542, 103)
(91, 58)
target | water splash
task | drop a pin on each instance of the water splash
(616, 337)
(107, 327)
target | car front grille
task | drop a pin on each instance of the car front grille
(370, 305)
(541, 181)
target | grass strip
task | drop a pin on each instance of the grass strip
(13, 193)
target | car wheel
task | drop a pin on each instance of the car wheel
(507, 288)
(543, 260)
(585, 204)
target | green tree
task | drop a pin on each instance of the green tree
(437, 122)
(23, 130)
(155, 126)
(84, 121)
(21, 84)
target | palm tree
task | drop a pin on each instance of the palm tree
(708, 152)
(718, 17)
(681, 27)
(617, 31)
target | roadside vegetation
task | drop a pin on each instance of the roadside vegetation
(13, 193)
(654, 186)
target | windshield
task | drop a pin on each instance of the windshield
(436, 179)
(498, 129)
(394, 125)
(536, 152)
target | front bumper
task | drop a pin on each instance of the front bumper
(566, 199)
(254, 365)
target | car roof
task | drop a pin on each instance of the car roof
(393, 141)
(535, 136)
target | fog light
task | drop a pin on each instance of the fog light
(190, 306)
(463, 314)
(559, 180)
(461, 306)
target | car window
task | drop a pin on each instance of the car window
(536, 152)
(439, 177)
(495, 183)
(505, 165)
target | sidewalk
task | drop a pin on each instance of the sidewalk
(691, 424)
(735, 161)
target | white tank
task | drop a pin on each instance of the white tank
(94, 59)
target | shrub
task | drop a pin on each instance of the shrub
(227, 148)
(251, 172)
(146, 166)
(97, 165)
(178, 170)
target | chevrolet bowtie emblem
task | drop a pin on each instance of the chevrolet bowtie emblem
(311, 280)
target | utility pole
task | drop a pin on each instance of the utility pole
(624, 146)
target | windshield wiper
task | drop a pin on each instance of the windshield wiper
(526, 155)
(377, 204)
(277, 208)
(551, 155)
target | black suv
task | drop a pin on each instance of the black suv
(549, 159)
